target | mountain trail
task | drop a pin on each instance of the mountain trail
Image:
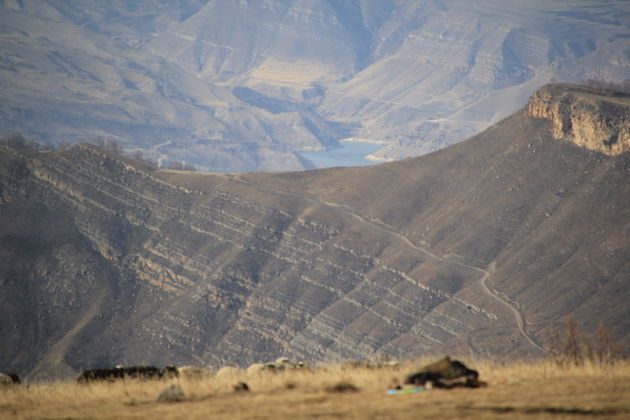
(382, 226)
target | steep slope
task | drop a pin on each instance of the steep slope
(545, 216)
(418, 75)
(69, 75)
(461, 66)
(477, 249)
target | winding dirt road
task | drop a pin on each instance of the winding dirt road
(520, 320)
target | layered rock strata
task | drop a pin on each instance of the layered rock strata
(475, 250)
(208, 277)
(585, 117)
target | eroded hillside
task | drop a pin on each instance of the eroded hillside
(476, 249)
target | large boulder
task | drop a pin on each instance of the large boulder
(445, 373)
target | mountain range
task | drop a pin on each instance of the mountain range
(245, 85)
(478, 249)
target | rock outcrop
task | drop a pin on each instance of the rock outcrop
(585, 116)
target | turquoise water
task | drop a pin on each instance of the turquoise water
(350, 153)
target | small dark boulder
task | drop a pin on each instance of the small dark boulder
(7, 379)
(169, 372)
(342, 386)
(241, 387)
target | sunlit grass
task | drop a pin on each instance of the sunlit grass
(518, 390)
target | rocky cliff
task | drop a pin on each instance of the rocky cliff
(585, 116)
(475, 250)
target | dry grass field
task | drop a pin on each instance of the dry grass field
(517, 391)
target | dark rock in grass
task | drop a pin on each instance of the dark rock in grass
(241, 387)
(342, 387)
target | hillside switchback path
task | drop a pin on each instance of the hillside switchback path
(382, 226)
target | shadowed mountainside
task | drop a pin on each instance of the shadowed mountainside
(476, 249)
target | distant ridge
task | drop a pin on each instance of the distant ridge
(476, 250)
(234, 85)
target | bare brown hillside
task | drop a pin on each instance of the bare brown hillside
(477, 249)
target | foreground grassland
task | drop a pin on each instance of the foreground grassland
(523, 391)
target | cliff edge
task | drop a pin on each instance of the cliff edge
(585, 116)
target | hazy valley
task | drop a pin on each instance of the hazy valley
(243, 86)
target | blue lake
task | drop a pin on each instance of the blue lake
(350, 153)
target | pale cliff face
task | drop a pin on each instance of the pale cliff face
(585, 118)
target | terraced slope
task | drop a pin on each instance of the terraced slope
(477, 249)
